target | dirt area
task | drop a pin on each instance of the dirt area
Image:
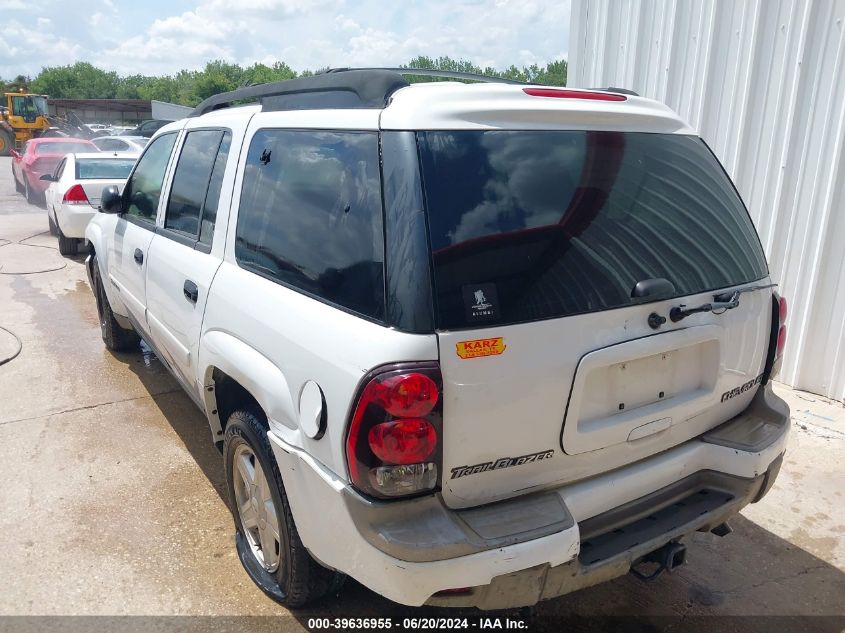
(113, 497)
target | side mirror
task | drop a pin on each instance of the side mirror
(14, 153)
(110, 200)
(47, 177)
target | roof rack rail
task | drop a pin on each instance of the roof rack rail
(621, 91)
(333, 88)
(434, 72)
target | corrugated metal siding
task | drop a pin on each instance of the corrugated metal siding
(763, 81)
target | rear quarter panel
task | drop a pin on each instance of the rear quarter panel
(282, 339)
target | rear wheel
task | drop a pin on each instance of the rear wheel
(67, 245)
(115, 337)
(28, 192)
(267, 540)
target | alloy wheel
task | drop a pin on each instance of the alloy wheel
(256, 508)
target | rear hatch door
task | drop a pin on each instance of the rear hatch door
(551, 370)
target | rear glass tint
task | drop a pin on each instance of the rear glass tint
(536, 225)
(103, 168)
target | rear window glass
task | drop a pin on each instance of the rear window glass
(311, 216)
(103, 168)
(536, 225)
(64, 148)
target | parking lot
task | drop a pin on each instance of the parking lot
(113, 497)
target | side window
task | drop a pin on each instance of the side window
(311, 215)
(143, 189)
(212, 197)
(59, 169)
(192, 207)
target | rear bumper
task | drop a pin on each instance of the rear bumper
(517, 552)
(74, 218)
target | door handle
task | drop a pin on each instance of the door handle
(191, 291)
(139, 256)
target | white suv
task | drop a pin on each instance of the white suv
(470, 344)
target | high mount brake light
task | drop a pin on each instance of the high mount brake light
(573, 94)
(75, 195)
(393, 441)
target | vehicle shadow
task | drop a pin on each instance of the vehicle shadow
(753, 580)
(183, 416)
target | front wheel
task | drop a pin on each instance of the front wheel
(267, 540)
(6, 143)
(116, 338)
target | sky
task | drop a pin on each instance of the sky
(154, 37)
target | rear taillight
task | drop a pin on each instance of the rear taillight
(777, 340)
(75, 195)
(781, 328)
(573, 94)
(393, 444)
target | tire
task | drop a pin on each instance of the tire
(116, 338)
(28, 193)
(54, 230)
(292, 578)
(18, 186)
(6, 143)
(67, 245)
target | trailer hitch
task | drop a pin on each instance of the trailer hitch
(668, 557)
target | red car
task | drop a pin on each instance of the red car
(40, 156)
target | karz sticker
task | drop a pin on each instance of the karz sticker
(501, 462)
(481, 347)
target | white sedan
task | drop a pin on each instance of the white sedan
(76, 185)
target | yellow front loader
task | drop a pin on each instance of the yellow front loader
(25, 116)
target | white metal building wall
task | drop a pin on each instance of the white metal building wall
(763, 81)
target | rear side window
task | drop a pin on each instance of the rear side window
(103, 168)
(311, 217)
(536, 225)
(195, 192)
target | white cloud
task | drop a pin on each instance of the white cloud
(346, 24)
(303, 33)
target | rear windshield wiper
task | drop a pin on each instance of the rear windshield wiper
(722, 302)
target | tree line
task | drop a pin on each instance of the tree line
(188, 87)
